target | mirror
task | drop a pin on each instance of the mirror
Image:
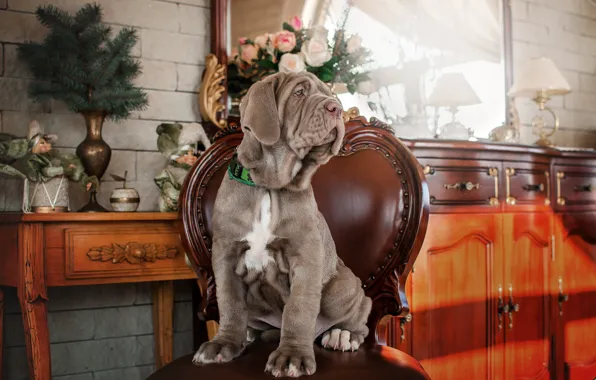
(429, 68)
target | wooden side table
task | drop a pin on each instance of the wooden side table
(66, 249)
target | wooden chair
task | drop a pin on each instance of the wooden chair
(375, 200)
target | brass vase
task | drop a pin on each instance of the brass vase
(95, 155)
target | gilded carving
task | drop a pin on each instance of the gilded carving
(211, 91)
(133, 253)
(351, 113)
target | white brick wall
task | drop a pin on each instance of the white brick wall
(105, 332)
(565, 31)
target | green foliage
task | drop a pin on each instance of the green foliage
(79, 63)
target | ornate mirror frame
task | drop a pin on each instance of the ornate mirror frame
(213, 95)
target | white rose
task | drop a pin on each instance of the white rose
(315, 52)
(291, 63)
(319, 32)
(354, 43)
(365, 87)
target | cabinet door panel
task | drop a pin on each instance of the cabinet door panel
(527, 279)
(454, 290)
(577, 238)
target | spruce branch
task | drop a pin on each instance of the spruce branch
(80, 63)
(51, 16)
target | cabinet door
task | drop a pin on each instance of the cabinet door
(528, 254)
(454, 292)
(576, 240)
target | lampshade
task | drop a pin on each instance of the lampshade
(453, 90)
(536, 75)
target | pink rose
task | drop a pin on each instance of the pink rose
(296, 23)
(285, 41)
(242, 40)
(233, 54)
(263, 40)
(248, 52)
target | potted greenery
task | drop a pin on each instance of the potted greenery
(81, 64)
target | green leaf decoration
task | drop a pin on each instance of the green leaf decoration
(266, 64)
(351, 88)
(117, 177)
(288, 27)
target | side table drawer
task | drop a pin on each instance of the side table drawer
(462, 182)
(527, 184)
(107, 250)
(575, 186)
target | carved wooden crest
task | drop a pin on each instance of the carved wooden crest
(133, 253)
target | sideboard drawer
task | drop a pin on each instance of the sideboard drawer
(462, 182)
(107, 250)
(576, 186)
(527, 184)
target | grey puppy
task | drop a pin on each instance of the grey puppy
(274, 260)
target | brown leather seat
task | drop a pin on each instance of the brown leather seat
(375, 200)
(378, 363)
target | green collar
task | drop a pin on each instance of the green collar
(238, 172)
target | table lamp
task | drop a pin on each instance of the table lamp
(453, 91)
(539, 79)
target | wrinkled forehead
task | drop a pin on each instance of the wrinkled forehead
(294, 82)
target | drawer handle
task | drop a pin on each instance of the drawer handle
(494, 172)
(532, 187)
(429, 170)
(560, 199)
(583, 188)
(509, 172)
(562, 297)
(513, 307)
(502, 307)
(462, 186)
(547, 199)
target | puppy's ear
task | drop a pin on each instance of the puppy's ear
(258, 111)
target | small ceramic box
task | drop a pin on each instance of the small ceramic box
(125, 200)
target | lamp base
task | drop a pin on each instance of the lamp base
(454, 130)
(544, 142)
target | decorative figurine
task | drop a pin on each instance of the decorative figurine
(179, 143)
(508, 132)
(43, 169)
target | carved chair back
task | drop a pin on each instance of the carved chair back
(373, 196)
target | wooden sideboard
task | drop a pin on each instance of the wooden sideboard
(67, 249)
(505, 284)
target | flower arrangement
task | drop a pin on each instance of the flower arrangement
(296, 49)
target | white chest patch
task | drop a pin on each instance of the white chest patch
(257, 256)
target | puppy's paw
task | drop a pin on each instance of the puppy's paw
(341, 340)
(217, 352)
(291, 361)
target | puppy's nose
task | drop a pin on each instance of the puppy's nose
(334, 108)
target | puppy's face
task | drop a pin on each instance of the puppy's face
(292, 124)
